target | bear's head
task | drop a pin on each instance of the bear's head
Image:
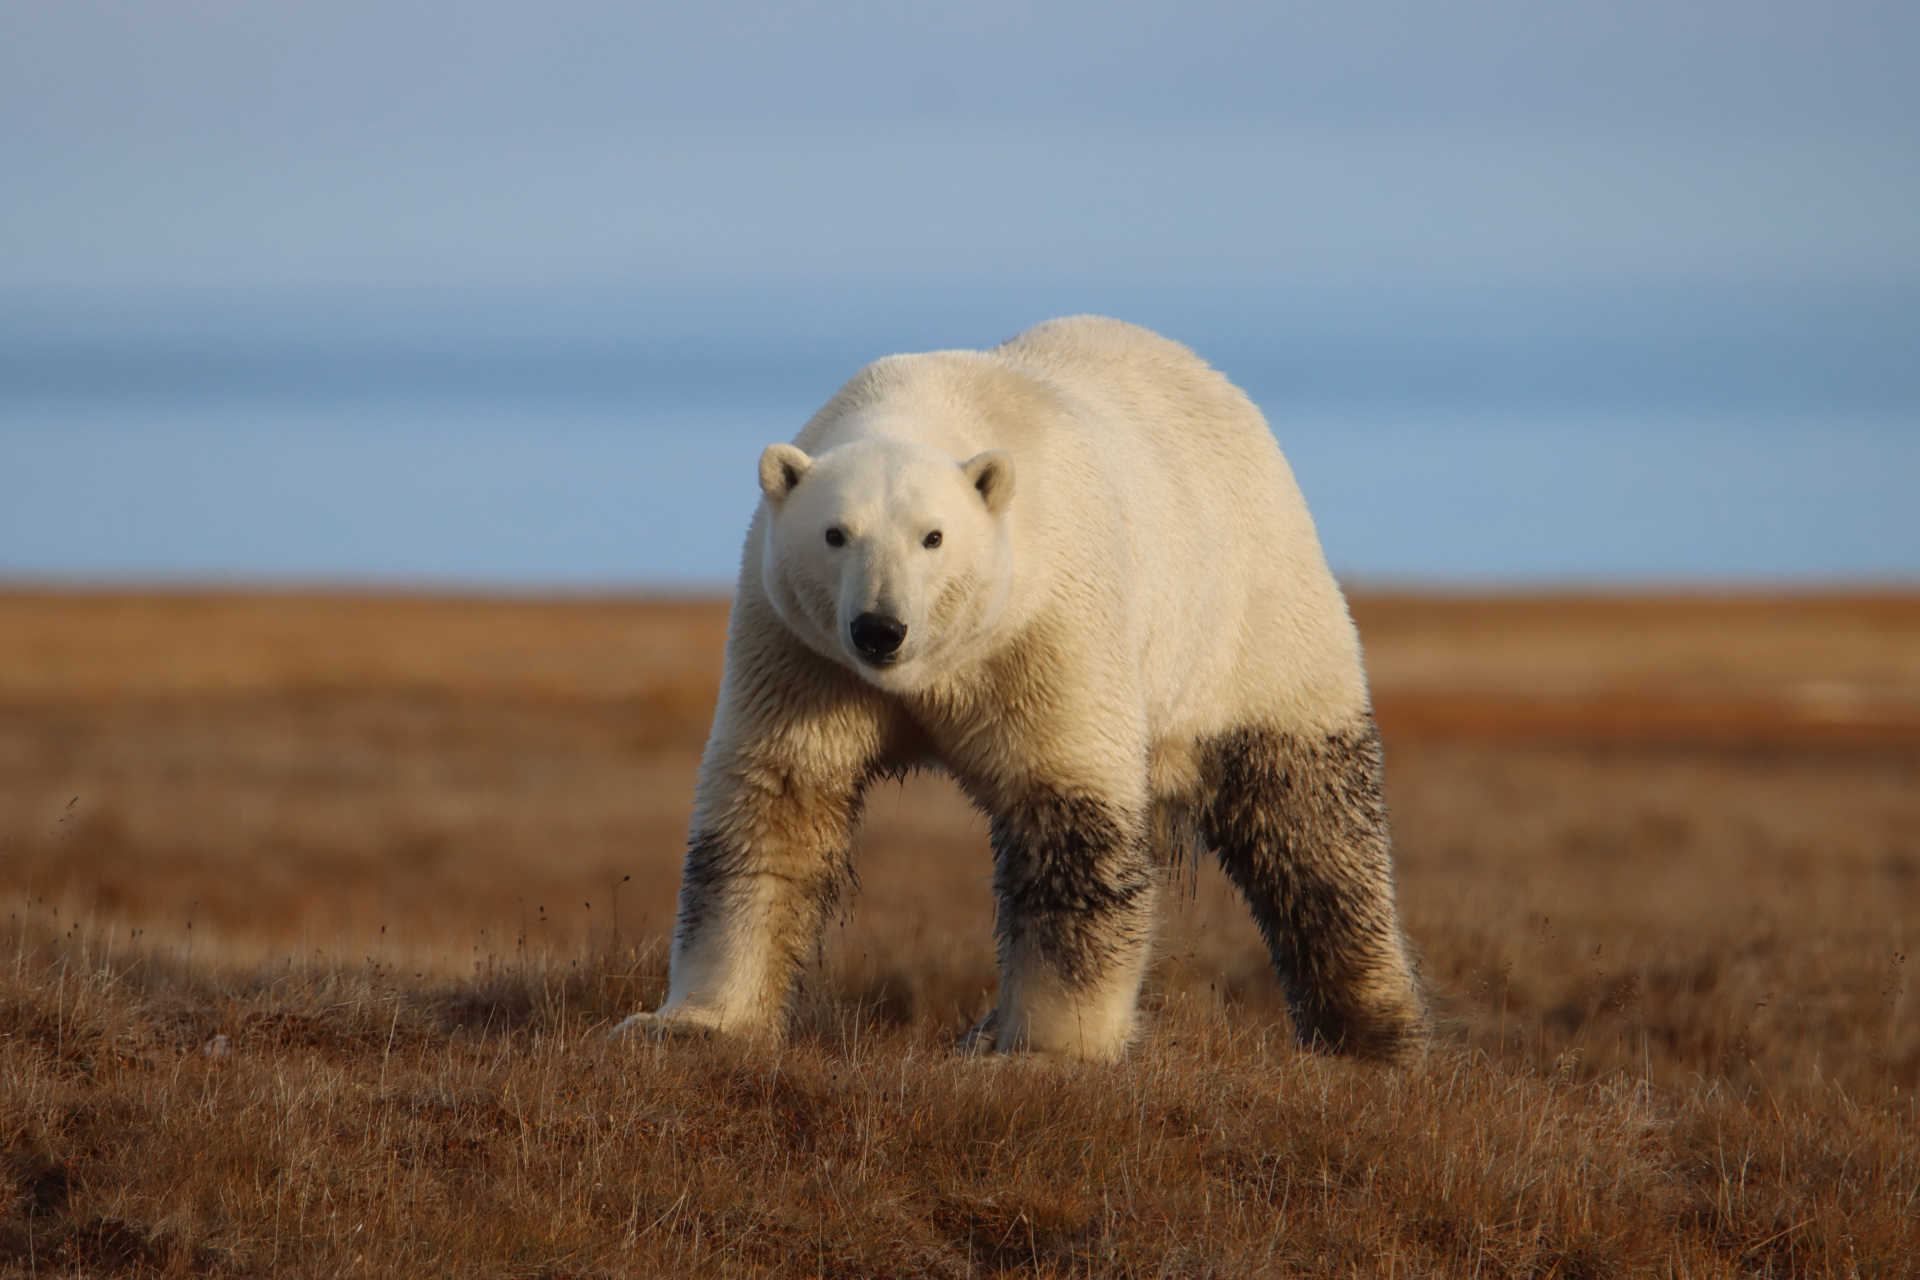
(889, 556)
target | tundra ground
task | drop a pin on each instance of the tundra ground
(317, 907)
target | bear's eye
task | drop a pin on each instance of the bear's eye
(931, 540)
(835, 538)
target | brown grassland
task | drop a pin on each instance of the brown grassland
(317, 907)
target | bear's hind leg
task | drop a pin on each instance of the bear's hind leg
(1076, 886)
(1301, 828)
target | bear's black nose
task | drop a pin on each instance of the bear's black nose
(878, 636)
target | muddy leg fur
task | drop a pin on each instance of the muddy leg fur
(1301, 828)
(1076, 899)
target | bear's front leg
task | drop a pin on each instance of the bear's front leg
(1076, 887)
(759, 886)
(767, 858)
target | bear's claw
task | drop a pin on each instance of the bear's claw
(982, 1038)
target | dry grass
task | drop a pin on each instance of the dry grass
(302, 976)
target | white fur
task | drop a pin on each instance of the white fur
(1138, 572)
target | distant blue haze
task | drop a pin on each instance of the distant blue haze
(577, 439)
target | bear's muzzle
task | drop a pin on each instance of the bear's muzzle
(878, 637)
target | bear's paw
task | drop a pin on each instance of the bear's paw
(684, 1022)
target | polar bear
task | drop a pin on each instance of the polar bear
(1075, 572)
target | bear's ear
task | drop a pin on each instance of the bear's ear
(781, 467)
(992, 474)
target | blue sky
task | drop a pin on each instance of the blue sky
(251, 143)
(412, 291)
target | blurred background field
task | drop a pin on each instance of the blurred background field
(1676, 833)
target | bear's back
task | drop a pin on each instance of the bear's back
(1104, 361)
(1186, 445)
(1222, 545)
